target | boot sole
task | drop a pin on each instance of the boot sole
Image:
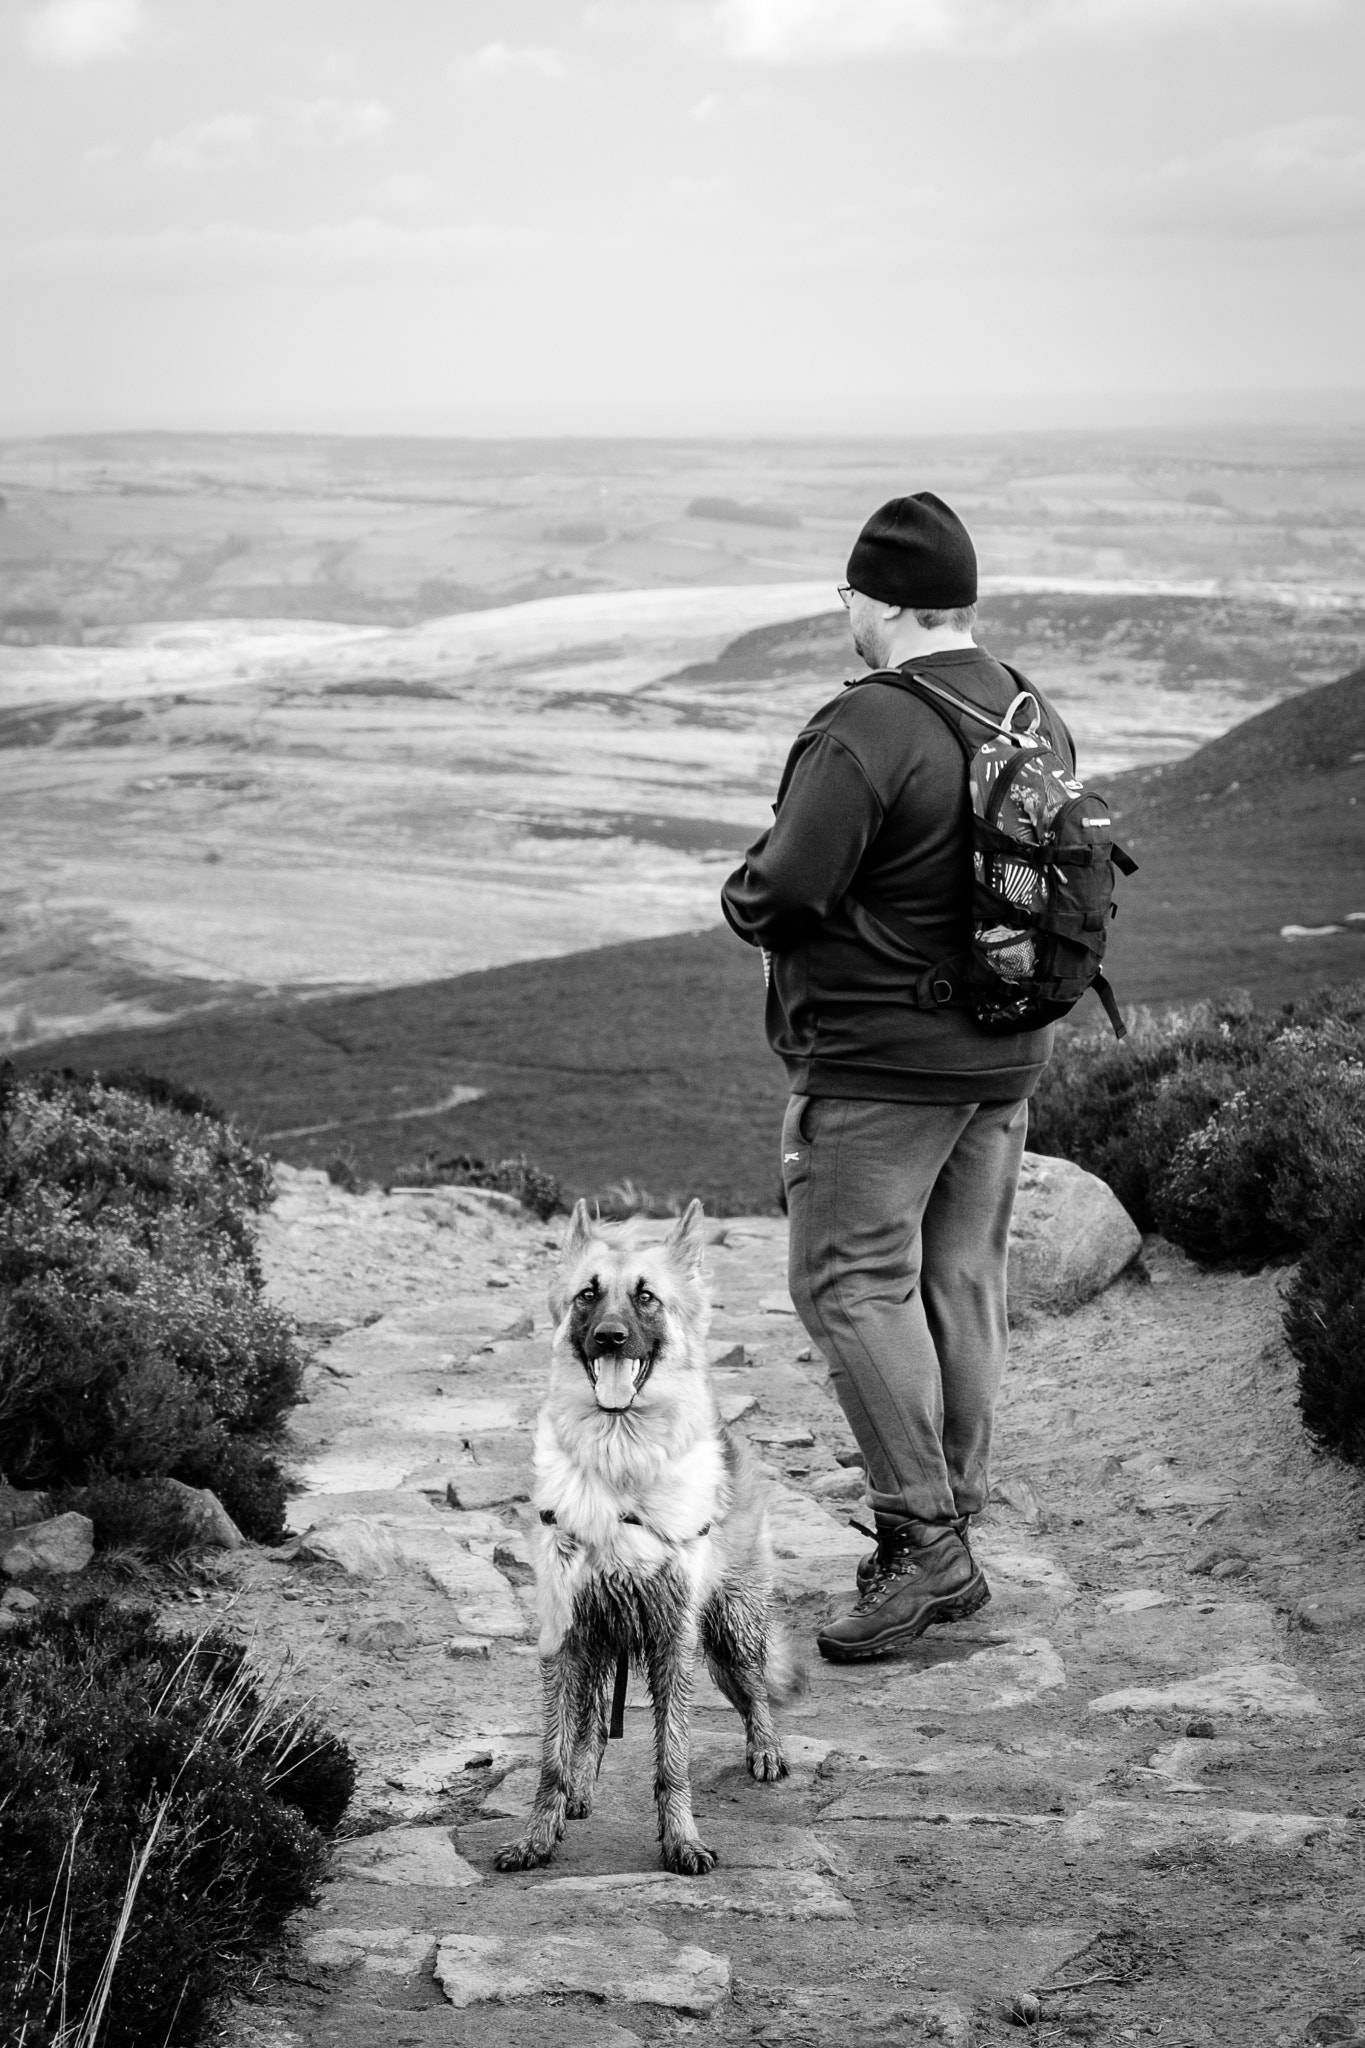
(948, 1607)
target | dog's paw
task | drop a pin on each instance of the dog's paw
(579, 1806)
(527, 1854)
(767, 1765)
(688, 1856)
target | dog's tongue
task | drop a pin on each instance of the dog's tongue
(614, 1379)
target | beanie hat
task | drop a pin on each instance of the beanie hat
(915, 552)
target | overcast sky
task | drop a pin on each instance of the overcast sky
(659, 215)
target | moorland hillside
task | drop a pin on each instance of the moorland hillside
(648, 1060)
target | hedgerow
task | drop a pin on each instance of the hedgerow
(160, 1816)
(532, 1186)
(135, 1339)
(1241, 1137)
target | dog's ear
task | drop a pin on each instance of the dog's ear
(686, 1241)
(579, 1233)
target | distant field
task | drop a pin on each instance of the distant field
(648, 1060)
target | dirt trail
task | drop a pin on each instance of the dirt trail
(1126, 1793)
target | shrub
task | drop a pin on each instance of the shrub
(135, 1341)
(1243, 1139)
(1324, 1321)
(533, 1187)
(147, 1776)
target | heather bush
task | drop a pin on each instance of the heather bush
(1324, 1320)
(160, 1817)
(532, 1186)
(1242, 1138)
(135, 1341)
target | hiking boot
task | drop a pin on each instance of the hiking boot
(924, 1574)
(868, 1566)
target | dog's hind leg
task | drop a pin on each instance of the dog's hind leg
(735, 1639)
(669, 1659)
(559, 1675)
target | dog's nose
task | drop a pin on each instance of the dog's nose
(610, 1334)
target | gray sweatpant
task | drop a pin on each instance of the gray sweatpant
(900, 1217)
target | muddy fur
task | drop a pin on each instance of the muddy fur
(653, 1538)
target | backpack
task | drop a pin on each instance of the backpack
(1043, 862)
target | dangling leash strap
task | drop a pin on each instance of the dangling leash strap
(617, 1726)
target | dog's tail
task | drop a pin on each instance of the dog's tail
(785, 1674)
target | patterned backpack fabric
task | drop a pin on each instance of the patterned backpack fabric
(1043, 864)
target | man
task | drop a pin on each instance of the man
(903, 1137)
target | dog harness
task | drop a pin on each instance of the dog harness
(616, 1727)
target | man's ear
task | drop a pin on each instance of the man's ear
(686, 1241)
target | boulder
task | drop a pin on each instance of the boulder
(487, 1486)
(213, 1526)
(360, 1548)
(65, 1543)
(407, 1856)
(1069, 1238)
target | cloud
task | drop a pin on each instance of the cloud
(230, 139)
(83, 31)
(511, 60)
(806, 31)
(234, 252)
(1296, 178)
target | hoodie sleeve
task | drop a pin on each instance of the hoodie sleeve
(827, 813)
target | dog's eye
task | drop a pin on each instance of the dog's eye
(588, 1293)
(645, 1298)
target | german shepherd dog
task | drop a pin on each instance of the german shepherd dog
(653, 1539)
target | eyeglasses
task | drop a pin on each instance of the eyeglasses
(845, 591)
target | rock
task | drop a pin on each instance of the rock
(760, 1894)
(783, 1439)
(1136, 1601)
(731, 1359)
(512, 1558)
(469, 1646)
(14, 1600)
(1271, 1689)
(1330, 2026)
(1070, 1237)
(407, 1856)
(361, 1549)
(1019, 1495)
(777, 1304)
(524, 1326)
(389, 1951)
(19, 1509)
(65, 1543)
(1025, 2009)
(1160, 1827)
(734, 1407)
(385, 1632)
(213, 1526)
(1319, 1613)
(626, 1966)
(488, 1486)
(1184, 1496)
(849, 1483)
(990, 1680)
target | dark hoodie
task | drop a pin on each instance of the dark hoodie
(873, 804)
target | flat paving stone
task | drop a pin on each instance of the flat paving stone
(757, 1894)
(1007, 1675)
(384, 1951)
(629, 1966)
(1147, 1827)
(425, 1857)
(1272, 1689)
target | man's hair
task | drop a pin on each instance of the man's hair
(961, 619)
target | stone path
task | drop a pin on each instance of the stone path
(1122, 1803)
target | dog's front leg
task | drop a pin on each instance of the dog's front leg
(537, 1845)
(670, 1684)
